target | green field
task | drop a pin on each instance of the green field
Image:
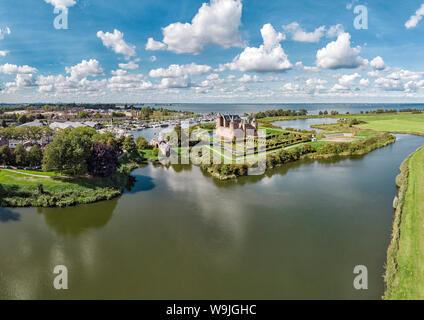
(393, 122)
(8, 177)
(405, 266)
(38, 172)
(396, 123)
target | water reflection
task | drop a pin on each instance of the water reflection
(6, 215)
(75, 221)
(140, 183)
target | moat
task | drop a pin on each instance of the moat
(179, 234)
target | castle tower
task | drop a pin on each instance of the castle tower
(219, 121)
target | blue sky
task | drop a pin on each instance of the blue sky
(211, 51)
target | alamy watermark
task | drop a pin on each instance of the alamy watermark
(61, 20)
(361, 280)
(361, 16)
(60, 282)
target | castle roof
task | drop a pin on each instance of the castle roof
(230, 118)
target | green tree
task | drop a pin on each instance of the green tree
(6, 156)
(35, 156)
(142, 143)
(155, 152)
(23, 119)
(21, 156)
(69, 151)
(130, 147)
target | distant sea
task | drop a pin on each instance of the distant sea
(313, 108)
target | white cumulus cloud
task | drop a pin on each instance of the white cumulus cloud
(378, 63)
(14, 69)
(175, 71)
(216, 23)
(348, 80)
(61, 3)
(116, 41)
(129, 66)
(155, 45)
(268, 57)
(298, 34)
(339, 54)
(85, 69)
(414, 19)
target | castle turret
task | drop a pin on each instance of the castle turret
(219, 121)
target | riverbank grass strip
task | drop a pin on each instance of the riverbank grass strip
(405, 258)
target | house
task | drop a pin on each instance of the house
(35, 123)
(74, 124)
(162, 145)
(232, 126)
(65, 125)
(94, 125)
(14, 142)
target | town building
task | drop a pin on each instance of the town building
(232, 126)
(162, 145)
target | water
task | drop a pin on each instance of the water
(149, 133)
(297, 232)
(304, 124)
(313, 108)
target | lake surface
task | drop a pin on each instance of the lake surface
(297, 232)
(304, 124)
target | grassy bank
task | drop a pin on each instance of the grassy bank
(18, 189)
(404, 276)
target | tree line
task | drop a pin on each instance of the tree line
(279, 113)
(20, 156)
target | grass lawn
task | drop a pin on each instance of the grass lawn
(8, 177)
(406, 275)
(148, 154)
(396, 125)
(403, 122)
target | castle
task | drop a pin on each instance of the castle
(232, 126)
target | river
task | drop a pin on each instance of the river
(297, 232)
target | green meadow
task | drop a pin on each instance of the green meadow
(405, 258)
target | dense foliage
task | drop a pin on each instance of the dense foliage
(83, 150)
(103, 160)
